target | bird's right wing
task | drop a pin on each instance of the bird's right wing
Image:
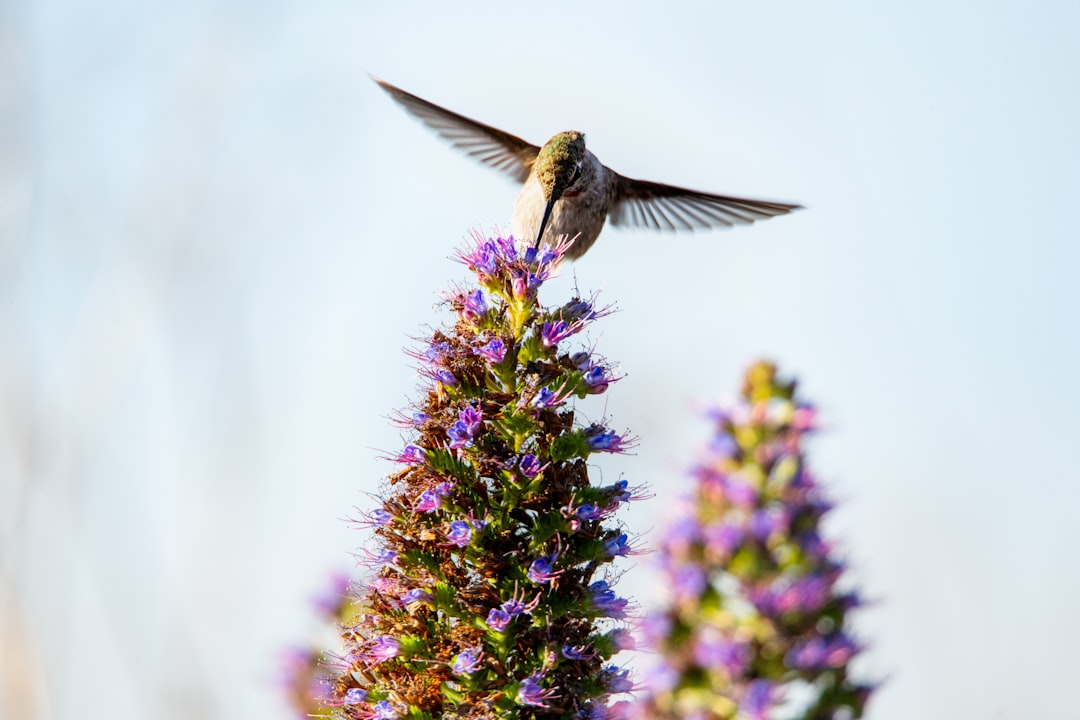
(489, 145)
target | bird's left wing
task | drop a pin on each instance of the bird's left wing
(666, 207)
(489, 145)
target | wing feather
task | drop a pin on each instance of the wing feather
(489, 145)
(667, 207)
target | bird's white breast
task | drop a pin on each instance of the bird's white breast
(528, 211)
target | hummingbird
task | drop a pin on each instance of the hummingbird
(566, 190)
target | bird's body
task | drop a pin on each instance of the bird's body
(581, 210)
(566, 190)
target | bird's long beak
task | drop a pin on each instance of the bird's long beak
(544, 221)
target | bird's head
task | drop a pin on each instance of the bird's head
(558, 165)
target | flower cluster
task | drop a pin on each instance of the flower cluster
(483, 598)
(756, 618)
(308, 681)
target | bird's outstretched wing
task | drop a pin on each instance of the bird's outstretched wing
(499, 149)
(666, 207)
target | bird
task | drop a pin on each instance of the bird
(566, 190)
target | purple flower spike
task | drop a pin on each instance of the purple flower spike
(759, 698)
(618, 547)
(370, 560)
(460, 533)
(805, 418)
(530, 465)
(430, 501)
(375, 519)
(446, 377)
(545, 398)
(721, 540)
(606, 603)
(507, 247)
(384, 710)
(687, 583)
(329, 603)
(498, 619)
(384, 648)
(724, 445)
(749, 541)
(415, 595)
(477, 596)
(475, 305)
(466, 661)
(411, 455)
(542, 570)
(460, 435)
(472, 417)
(530, 692)
(619, 682)
(803, 595)
(596, 380)
(621, 492)
(520, 285)
(354, 696)
(588, 513)
(768, 522)
(740, 492)
(482, 258)
(513, 607)
(606, 441)
(623, 639)
(437, 352)
(833, 652)
(581, 652)
(579, 309)
(494, 350)
(714, 650)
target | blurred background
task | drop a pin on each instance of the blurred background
(216, 235)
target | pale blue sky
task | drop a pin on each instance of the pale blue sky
(216, 234)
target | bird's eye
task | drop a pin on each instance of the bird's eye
(575, 175)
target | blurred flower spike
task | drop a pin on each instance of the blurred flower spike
(757, 625)
(308, 678)
(485, 597)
